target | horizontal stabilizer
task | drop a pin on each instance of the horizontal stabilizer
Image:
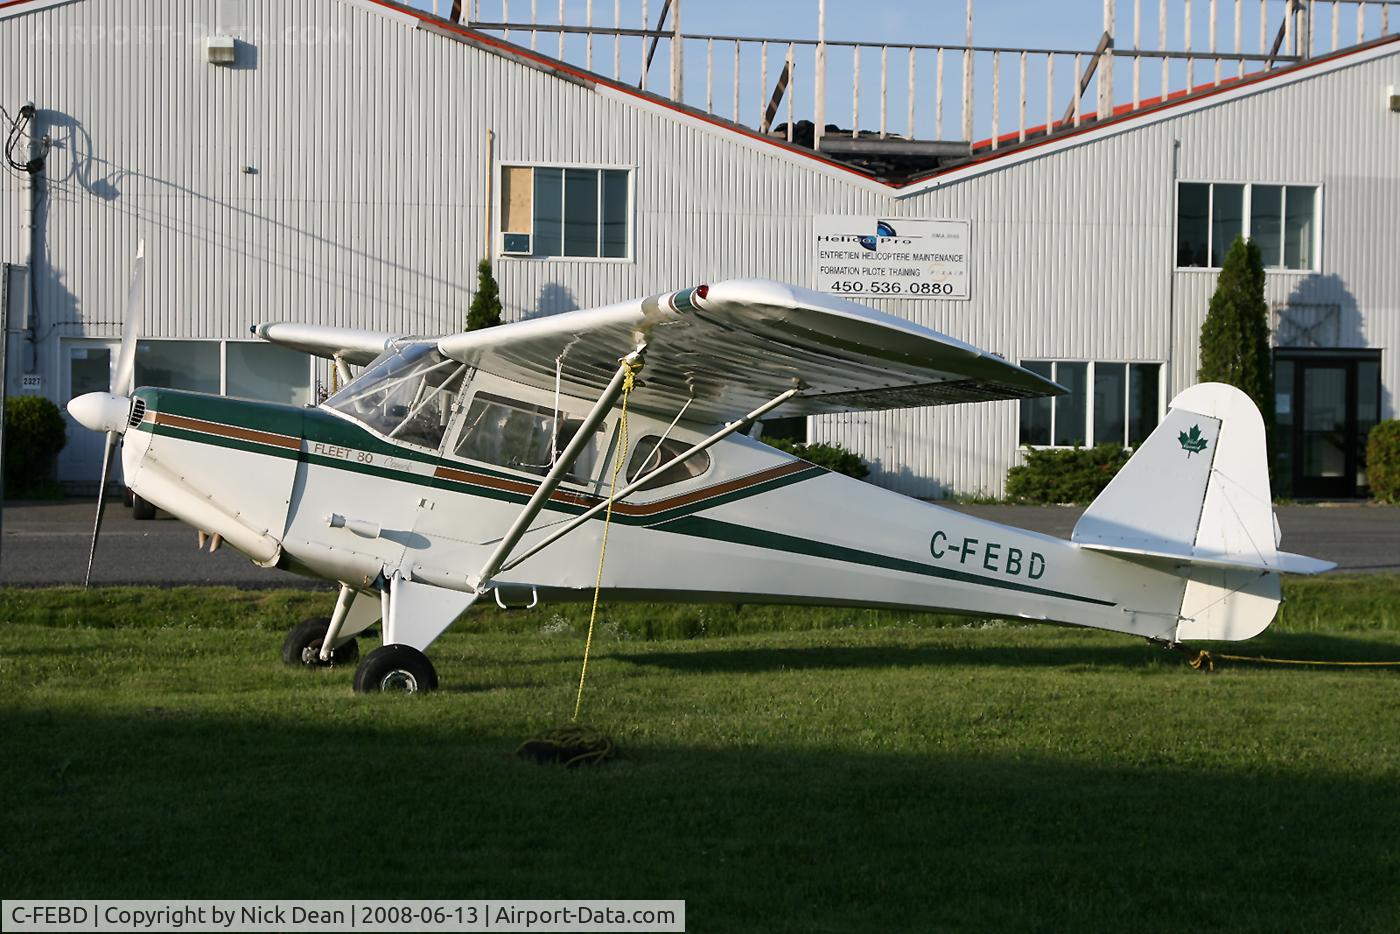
(1284, 562)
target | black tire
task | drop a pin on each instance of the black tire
(395, 669)
(302, 647)
(141, 509)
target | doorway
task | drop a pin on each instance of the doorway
(1326, 402)
(86, 366)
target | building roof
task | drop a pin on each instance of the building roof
(987, 154)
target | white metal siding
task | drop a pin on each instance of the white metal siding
(367, 208)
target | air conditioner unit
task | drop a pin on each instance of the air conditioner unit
(220, 50)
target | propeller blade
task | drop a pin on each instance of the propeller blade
(101, 501)
(124, 376)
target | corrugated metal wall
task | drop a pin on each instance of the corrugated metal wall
(365, 203)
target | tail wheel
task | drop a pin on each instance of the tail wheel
(395, 669)
(302, 647)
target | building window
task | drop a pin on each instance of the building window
(1281, 219)
(246, 369)
(266, 373)
(565, 211)
(1108, 403)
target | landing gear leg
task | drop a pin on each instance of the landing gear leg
(302, 647)
(337, 620)
(415, 615)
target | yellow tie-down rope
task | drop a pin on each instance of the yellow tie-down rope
(1205, 661)
(575, 743)
(628, 381)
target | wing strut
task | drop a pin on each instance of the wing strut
(583, 437)
(641, 481)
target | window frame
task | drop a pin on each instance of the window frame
(1247, 210)
(468, 393)
(499, 232)
(1090, 377)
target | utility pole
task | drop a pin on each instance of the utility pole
(4, 377)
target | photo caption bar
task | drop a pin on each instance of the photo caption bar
(313, 916)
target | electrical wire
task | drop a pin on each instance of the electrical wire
(17, 132)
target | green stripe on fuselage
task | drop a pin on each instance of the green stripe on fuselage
(716, 530)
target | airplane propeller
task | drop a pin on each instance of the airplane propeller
(108, 411)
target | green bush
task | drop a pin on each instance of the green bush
(34, 434)
(1383, 461)
(831, 456)
(485, 310)
(1065, 475)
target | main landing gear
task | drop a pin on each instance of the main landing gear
(323, 642)
(395, 669)
(303, 645)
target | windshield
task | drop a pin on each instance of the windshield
(405, 394)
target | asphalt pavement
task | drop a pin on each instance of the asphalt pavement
(47, 543)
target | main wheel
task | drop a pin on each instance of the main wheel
(141, 508)
(303, 645)
(395, 669)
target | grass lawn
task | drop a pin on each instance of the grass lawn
(790, 769)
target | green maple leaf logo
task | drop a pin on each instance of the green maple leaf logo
(1191, 441)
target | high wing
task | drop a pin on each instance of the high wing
(729, 347)
(349, 344)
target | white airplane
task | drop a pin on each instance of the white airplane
(482, 462)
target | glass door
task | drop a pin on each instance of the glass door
(1326, 403)
(87, 367)
(1323, 450)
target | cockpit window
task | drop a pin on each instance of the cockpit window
(652, 451)
(406, 395)
(522, 435)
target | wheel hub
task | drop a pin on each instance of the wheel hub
(399, 680)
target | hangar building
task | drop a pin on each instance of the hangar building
(350, 161)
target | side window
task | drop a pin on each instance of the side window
(521, 435)
(652, 452)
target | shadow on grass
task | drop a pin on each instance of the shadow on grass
(160, 806)
(1131, 653)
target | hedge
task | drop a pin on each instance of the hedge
(1383, 461)
(1065, 475)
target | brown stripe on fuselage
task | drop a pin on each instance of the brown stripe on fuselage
(227, 431)
(522, 487)
(627, 509)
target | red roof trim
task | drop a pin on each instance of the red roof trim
(1124, 112)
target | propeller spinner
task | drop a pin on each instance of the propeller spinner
(108, 411)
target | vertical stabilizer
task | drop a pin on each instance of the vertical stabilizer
(1195, 498)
